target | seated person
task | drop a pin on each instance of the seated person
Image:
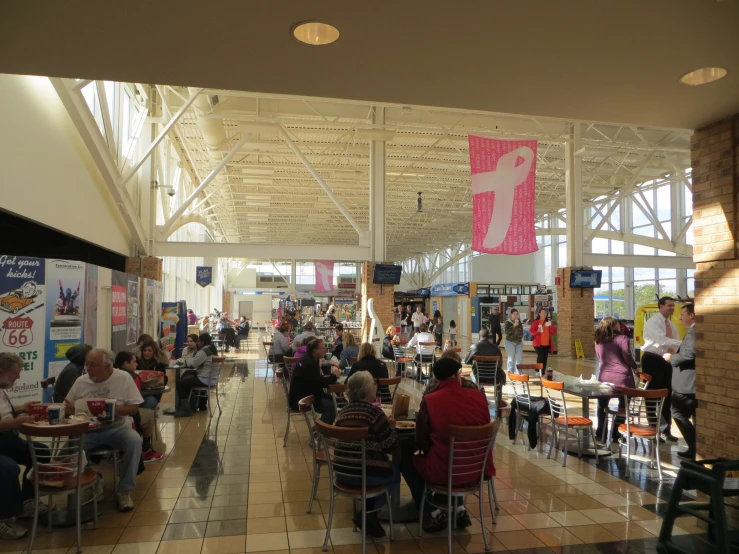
(71, 372)
(14, 452)
(433, 383)
(350, 350)
(308, 331)
(368, 362)
(191, 347)
(242, 330)
(280, 343)
(338, 341)
(485, 347)
(103, 381)
(143, 419)
(449, 404)
(152, 358)
(381, 439)
(199, 375)
(311, 375)
(387, 343)
(140, 343)
(224, 327)
(425, 353)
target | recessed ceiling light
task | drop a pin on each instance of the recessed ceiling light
(703, 76)
(315, 33)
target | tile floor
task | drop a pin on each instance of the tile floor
(227, 486)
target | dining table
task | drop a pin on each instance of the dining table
(177, 371)
(403, 512)
(587, 393)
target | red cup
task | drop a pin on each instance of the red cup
(96, 408)
(39, 412)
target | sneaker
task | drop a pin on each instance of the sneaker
(10, 530)
(152, 455)
(671, 438)
(29, 505)
(463, 520)
(687, 455)
(374, 529)
(124, 501)
(434, 524)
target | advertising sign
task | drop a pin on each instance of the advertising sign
(203, 275)
(23, 321)
(450, 289)
(503, 195)
(324, 275)
(91, 306)
(65, 311)
(125, 318)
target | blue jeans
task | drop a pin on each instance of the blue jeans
(124, 439)
(514, 351)
(150, 402)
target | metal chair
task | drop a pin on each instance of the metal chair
(469, 449)
(538, 370)
(290, 364)
(270, 359)
(522, 395)
(612, 413)
(560, 420)
(646, 422)
(387, 394)
(204, 391)
(400, 357)
(337, 395)
(306, 408)
(426, 357)
(485, 369)
(56, 452)
(346, 456)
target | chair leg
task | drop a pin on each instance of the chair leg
(48, 519)
(330, 520)
(314, 490)
(364, 524)
(218, 401)
(551, 441)
(628, 455)
(564, 451)
(492, 500)
(35, 524)
(287, 429)
(659, 464)
(95, 514)
(451, 512)
(389, 514)
(579, 443)
(595, 445)
(420, 512)
(78, 514)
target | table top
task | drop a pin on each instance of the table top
(154, 392)
(588, 392)
(105, 425)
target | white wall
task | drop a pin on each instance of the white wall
(498, 268)
(46, 172)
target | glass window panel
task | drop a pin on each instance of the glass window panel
(600, 246)
(618, 300)
(617, 273)
(689, 235)
(664, 207)
(602, 302)
(688, 202)
(640, 250)
(644, 293)
(667, 273)
(645, 231)
(110, 97)
(644, 273)
(616, 217)
(691, 287)
(606, 274)
(562, 253)
(668, 287)
(617, 247)
(638, 217)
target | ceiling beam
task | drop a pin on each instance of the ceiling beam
(301, 252)
(619, 260)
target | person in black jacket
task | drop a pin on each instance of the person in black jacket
(71, 372)
(485, 347)
(495, 326)
(367, 361)
(387, 344)
(308, 379)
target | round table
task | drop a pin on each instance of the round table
(155, 391)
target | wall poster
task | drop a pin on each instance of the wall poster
(91, 306)
(65, 311)
(125, 311)
(23, 321)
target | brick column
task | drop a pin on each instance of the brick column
(715, 161)
(146, 267)
(226, 304)
(575, 309)
(383, 296)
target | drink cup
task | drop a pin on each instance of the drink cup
(540, 328)
(109, 409)
(55, 413)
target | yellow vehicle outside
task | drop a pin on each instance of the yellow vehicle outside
(643, 313)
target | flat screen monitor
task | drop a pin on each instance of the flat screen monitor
(387, 274)
(585, 278)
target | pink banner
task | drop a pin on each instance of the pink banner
(503, 195)
(324, 276)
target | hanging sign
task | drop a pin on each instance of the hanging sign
(503, 195)
(461, 288)
(125, 317)
(65, 301)
(423, 292)
(324, 275)
(203, 276)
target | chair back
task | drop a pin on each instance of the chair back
(556, 395)
(644, 405)
(457, 350)
(267, 347)
(216, 365)
(426, 349)
(469, 449)
(487, 372)
(521, 391)
(537, 368)
(282, 378)
(290, 364)
(56, 454)
(387, 388)
(345, 451)
(336, 391)
(306, 407)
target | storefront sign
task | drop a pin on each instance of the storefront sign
(65, 311)
(503, 195)
(22, 321)
(450, 289)
(324, 275)
(423, 292)
(203, 275)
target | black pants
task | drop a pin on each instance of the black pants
(189, 381)
(14, 452)
(603, 418)
(661, 372)
(683, 408)
(415, 481)
(542, 355)
(438, 337)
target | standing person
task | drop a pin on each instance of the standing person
(683, 381)
(418, 319)
(513, 341)
(543, 331)
(409, 320)
(18, 493)
(439, 331)
(661, 337)
(495, 328)
(192, 319)
(453, 333)
(617, 366)
(403, 322)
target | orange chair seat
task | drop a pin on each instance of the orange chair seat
(573, 421)
(403, 360)
(321, 456)
(357, 490)
(618, 411)
(70, 483)
(639, 430)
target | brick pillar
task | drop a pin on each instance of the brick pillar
(146, 267)
(226, 304)
(383, 295)
(715, 161)
(575, 309)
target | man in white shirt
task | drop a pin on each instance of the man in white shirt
(418, 319)
(103, 381)
(425, 353)
(661, 337)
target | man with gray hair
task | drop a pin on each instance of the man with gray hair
(103, 381)
(308, 331)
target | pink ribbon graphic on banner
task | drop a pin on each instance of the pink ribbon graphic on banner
(503, 195)
(324, 276)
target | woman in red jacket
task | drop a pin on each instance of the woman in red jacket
(543, 330)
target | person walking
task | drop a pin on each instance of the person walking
(495, 328)
(683, 382)
(661, 337)
(513, 341)
(418, 319)
(543, 330)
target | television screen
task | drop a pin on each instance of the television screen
(585, 278)
(386, 274)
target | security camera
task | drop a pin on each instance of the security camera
(171, 191)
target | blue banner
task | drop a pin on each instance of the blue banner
(203, 275)
(450, 289)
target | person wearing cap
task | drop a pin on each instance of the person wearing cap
(485, 347)
(449, 404)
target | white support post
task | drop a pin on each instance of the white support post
(96, 144)
(574, 205)
(377, 191)
(293, 274)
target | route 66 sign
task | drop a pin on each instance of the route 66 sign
(17, 332)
